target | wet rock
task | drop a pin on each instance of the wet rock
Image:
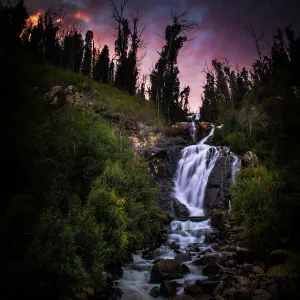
(257, 270)
(185, 269)
(174, 246)
(180, 209)
(165, 269)
(219, 288)
(208, 286)
(147, 254)
(211, 269)
(168, 288)
(192, 248)
(219, 297)
(192, 289)
(206, 259)
(243, 281)
(242, 272)
(182, 257)
(155, 292)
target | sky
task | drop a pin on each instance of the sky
(221, 32)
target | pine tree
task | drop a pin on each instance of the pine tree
(101, 72)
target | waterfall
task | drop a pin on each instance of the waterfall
(235, 167)
(193, 170)
(193, 130)
(192, 174)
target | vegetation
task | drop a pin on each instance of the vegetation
(75, 198)
(259, 108)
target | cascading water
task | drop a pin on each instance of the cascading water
(192, 175)
(193, 130)
(190, 183)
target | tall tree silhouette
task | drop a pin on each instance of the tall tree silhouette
(165, 85)
(87, 62)
(121, 45)
(133, 62)
(72, 51)
(101, 72)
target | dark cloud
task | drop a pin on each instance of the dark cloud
(221, 28)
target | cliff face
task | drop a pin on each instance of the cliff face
(163, 155)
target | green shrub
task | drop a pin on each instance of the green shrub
(218, 137)
(237, 141)
(255, 202)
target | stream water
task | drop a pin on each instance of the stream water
(193, 170)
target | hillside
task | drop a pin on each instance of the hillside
(75, 197)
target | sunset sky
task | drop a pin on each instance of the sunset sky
(221, 30)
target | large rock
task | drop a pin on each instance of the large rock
(165, 269)
(182, 257)
(208, 286)
(168, 288)
(218, 183)
(249, 160)
(180, 210)
(211, 269)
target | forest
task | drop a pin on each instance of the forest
(75, 201)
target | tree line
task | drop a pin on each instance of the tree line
(53, 41)
(260, 107)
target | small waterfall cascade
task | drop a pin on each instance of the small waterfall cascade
(193, 131)
(190, 183)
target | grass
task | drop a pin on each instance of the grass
(109, 100)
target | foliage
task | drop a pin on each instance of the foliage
(255, 201)
(60, 228)
(237, 142)
(288, 268)
(165, 85)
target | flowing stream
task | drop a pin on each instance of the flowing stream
(193, 170)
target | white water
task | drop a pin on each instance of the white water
(192, 175)
(193, 131)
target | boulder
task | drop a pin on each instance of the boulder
(211, 269)
(168, 288)
(257, 270)
(208, 286)
(165, 269)
(243, 281)
(182, 257)
(249, 160)
(180, 210)
(155, 292)
(192, 289)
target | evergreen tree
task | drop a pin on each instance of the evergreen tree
(101, 72)
(72, 51)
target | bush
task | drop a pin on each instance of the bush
(255, 202)
(237, 142)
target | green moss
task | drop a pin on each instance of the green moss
(283, 270)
